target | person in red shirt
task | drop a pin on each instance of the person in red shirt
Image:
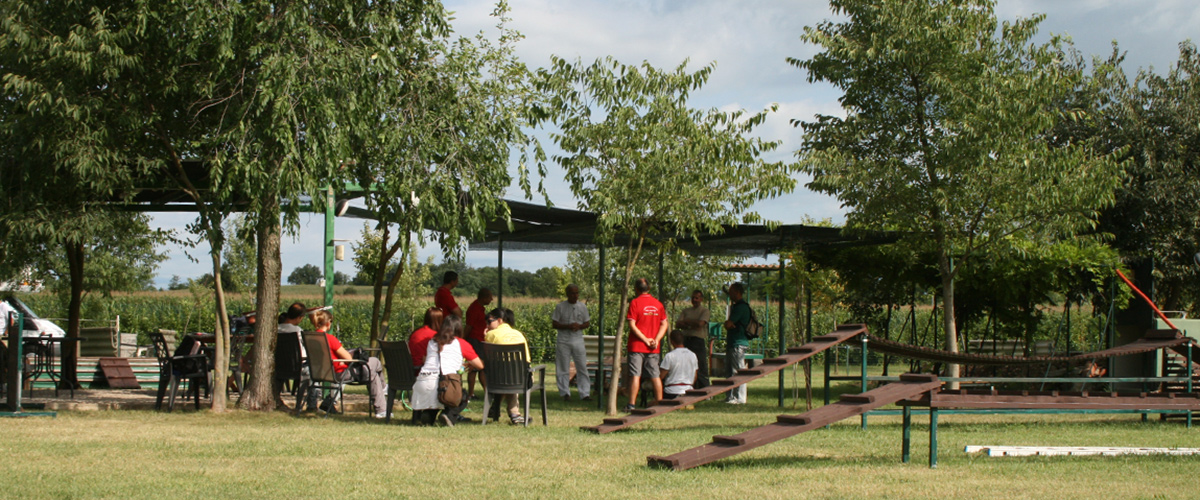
(647, 325)
(418, 341)
(322, 320)
(476, 330)
(443, 299)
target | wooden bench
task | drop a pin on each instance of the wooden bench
(90, 375)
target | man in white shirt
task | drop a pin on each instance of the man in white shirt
(570, 318)
(678, 368)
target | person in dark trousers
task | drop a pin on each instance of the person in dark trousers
(693, 321)
(736, 342)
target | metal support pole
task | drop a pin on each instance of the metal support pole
(863, 376)
(329, 245)
(782, 336)
(906, 442)
(661, 288)
(826, 356)
(600, 362)
(500, 271)
(933, 414)
(1189, 380)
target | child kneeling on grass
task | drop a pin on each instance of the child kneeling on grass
(678, 368)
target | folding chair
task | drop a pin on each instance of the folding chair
(508, 372)
(400, 372)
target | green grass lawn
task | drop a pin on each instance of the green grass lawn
(140, 454)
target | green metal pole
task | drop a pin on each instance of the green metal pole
(329, 245)
(782, 319)
(16, 358)
(863, 375)
(933, 414)
(906, 443)
(600, 370)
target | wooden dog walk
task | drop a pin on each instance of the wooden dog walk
(910, 386)
(719, 386)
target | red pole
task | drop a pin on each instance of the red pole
(1147, 299)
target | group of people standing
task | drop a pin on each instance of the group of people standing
(681, 369)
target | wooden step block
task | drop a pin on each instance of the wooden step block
(793, 419)
(800, 350)
(671, 402)
(614, 421)
(696, 392)
(723, 382)
(858, 398)
(750, 371)
(643, 411)
(827, 338)
(775, 361)
(729, 440)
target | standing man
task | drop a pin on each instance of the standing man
(736, 342)
(647, 324)
(476, 332)
(443, 299)
(570, 318)
(694, 323)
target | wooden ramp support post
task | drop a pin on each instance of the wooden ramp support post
(910, 386)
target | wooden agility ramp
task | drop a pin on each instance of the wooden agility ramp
(911, 385)
(720, 386)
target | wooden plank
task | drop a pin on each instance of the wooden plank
(118, 373)
(790, 425)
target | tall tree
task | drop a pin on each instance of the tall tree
(431, 142)
(649, 165)
(1151, 122)
(63, 139)
(946, 133)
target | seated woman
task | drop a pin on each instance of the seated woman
(446, 353)
(419, 338)
(322, 320)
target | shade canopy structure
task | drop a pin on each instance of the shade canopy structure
(536, 227)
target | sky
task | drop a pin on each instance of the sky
(749, 40)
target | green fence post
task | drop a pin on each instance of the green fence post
(933, 414)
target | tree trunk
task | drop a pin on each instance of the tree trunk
(259, 393)
(946, 269)
(70, 350)
(618, 344)
(385, 322)
(221, 373)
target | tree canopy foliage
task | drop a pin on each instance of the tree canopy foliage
(635, 153)
(947, 131)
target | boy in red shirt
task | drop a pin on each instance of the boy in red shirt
(647, 324)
